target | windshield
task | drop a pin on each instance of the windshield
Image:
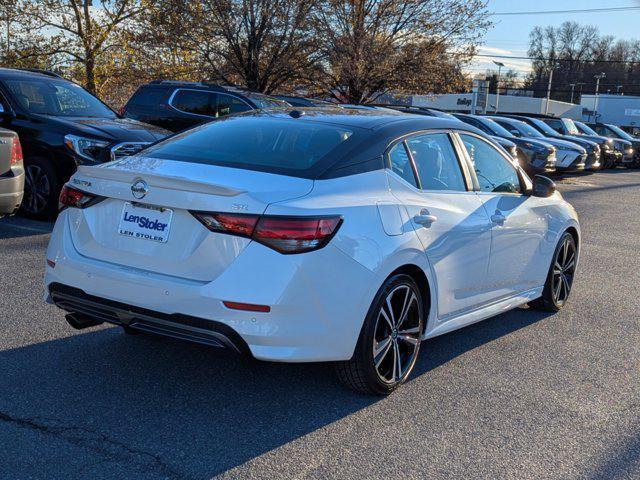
(620, 132)
(571, 127)
(496, 128)
(57, 97)
(586, 129)
(274, 145)
(524, 129)
(546, 129)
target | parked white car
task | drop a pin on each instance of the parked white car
(312, 235)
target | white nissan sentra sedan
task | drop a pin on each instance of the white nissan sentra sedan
(312, 235)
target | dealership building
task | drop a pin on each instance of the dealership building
(623, 110)
(506, 104)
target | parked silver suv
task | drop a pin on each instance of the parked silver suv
(11, 172)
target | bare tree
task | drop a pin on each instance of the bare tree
(366, 43)
(261, 44)
(78, 31)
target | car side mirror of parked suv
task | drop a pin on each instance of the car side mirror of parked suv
(543, 186)
(5, 113)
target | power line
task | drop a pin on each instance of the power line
(542, 59)
(582, 10)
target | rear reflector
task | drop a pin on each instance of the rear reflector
(16, 151)
(283, 234)
(71, 197)
(249, 307)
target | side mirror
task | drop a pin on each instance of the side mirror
(543, 186)
(515, 132)
(4, 113)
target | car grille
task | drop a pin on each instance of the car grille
(126, 149)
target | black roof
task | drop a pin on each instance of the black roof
(28, 73)
(378, 118)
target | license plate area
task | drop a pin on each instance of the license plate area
(145, 222)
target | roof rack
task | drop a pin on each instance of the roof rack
(48, 73)
(208, 85)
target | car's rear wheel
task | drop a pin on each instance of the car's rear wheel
(559, 281)
(390, 339)
(41, 190)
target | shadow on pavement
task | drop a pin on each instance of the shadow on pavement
(183, 410)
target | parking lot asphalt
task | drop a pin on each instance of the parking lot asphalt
(522, 395)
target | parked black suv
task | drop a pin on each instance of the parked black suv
(177, 106)
(60, 126)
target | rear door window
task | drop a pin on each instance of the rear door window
(147, 97)
(228, 104)
(194, 101)
(400, 163)
(436, 162)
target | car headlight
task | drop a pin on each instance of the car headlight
(88, 148)
(607, 146)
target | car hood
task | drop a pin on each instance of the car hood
(558, 143)
(119, 129)
(503, 142)
(580, 140)
(534, 141)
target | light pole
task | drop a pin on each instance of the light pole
(598, 77)
(500, 65)
(572, 85)
(546, 108)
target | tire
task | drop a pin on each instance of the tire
(361, 373)
(41, 189)
(557, 287)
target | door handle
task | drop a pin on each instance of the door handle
(498, 218)
(425, 218)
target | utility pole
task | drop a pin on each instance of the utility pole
(572, 85)
(546, 108)
(500, 65)
(598, 77)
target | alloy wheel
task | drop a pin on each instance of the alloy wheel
(564, 269)
(397, 334)
(37, 189)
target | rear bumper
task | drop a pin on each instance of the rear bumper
(11, 192)
(184, 327)
(316, 313)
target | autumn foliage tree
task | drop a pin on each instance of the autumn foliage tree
(353, 50)
(372, 46)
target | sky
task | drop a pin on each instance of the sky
(510, 34)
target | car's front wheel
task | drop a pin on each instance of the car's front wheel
(390, 339)
(557, 287)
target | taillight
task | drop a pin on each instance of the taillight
(16, 151)
(71, 197)
(283, 234)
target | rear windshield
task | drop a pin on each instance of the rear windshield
(277, 145)
(147, 96)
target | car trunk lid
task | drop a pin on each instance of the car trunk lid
(165, 193)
